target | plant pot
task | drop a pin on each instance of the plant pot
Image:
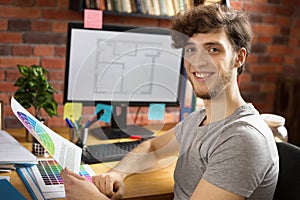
(28, 136)
(37, 149)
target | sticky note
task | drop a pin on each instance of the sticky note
(93, 18)
(156, 111)
(106, 117)
(72, 110)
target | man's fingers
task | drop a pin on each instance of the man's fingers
(66, 172)
(77, 176)
(119, 189)
(109, 186)
(103, 183)
(63, 174)
(96, 181)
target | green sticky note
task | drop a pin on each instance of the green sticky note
(156, 111)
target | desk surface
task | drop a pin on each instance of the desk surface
(156, 184)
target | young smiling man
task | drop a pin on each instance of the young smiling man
(225, 151)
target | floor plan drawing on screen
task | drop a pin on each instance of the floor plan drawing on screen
(120, 63)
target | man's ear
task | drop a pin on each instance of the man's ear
(241, 57)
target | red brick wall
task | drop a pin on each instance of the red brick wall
(276, 46)
(34, 32)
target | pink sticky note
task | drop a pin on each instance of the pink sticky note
(93, 18)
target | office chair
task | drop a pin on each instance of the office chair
(288, 185)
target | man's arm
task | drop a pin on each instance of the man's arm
(208, 191)
(144, 157)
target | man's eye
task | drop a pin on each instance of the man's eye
(213, 50)
(189, 50)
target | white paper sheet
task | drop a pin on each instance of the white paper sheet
(11, 151)
(62, 150)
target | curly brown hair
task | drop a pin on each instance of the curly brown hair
(213, 18)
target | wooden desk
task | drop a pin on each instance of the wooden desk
(157, 184)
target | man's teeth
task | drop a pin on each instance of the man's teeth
(201, 75)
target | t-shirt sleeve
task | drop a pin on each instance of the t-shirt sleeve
(178, 131)
(238, 162)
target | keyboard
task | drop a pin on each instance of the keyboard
(47, 174)
(108, 152)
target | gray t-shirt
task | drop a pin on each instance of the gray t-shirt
(237, 154)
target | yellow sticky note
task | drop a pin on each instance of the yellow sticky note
(72, 110)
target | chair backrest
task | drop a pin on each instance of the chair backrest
(288, 185)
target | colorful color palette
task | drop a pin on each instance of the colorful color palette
(47, 175)
(50, 172)
(35, 128)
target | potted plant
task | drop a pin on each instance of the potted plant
(35, 91)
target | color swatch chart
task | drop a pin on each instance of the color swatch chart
(34, 127)
(47, 173)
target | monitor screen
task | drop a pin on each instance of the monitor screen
(120, 65)
(117, 64)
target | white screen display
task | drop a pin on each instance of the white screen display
(115, 66)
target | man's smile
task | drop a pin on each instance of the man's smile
(200, 76)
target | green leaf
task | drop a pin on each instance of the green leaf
(23, 70)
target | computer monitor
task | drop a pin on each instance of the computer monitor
(122, 66)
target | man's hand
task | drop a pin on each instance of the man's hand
(110, 184)
(77, 187)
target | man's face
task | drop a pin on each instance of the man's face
(208, 60)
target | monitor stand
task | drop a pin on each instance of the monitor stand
(119, 128)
